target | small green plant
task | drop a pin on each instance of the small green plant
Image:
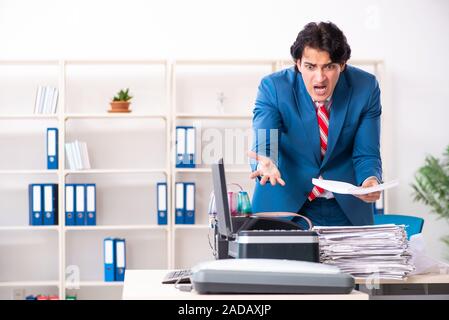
(432, 186)
(122, 95)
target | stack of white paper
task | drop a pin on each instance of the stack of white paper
(77, 155)
(367, 251)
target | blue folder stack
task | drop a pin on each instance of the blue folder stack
(114, 259)
(80, 204)
(185, 203)
(43, 204)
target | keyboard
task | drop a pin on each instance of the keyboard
(177, 276)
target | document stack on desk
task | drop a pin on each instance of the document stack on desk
(366, 251)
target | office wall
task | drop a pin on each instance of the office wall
(410, 36)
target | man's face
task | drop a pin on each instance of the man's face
(319, 73)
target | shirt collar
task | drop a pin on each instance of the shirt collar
(327, 103)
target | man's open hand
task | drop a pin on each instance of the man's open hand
(266, 169)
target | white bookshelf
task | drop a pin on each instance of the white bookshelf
(29, 228)
(129, 153)
(118, 227)
(191, 226)
(148, 81)
(81, 115)
(208, 170)
(100, 284)
(18, 172)
(29, 116)
(213, 116)
(30, 284)
(115, 171)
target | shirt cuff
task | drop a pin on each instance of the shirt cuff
(370, 178)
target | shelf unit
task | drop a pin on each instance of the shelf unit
(144, 233)
(197, 87)
(30, 284)
(190, 91)
(141, 237)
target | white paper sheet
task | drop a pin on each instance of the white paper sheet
(347, 188)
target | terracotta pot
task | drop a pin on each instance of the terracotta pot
(120, 106)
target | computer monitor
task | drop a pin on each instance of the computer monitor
(221, 200)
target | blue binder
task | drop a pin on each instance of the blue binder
(179, 203)
(120, 255)
(35, 204)
(185, 147)
(109, 259)
(189, 200)
(52, 148)
(69, 204)
(180, 146)
(190, 147)
(50, 197)
(80, 207)
(91, 204)
(161, 203)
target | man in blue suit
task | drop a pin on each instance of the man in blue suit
(319, 119)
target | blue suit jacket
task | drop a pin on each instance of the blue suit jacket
(353, 151)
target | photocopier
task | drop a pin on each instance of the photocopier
(270, 238)
(256, 236)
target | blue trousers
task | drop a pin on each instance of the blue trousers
(322, 212)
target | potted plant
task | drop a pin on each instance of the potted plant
(432, 186)
(121, 101)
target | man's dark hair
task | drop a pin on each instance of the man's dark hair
(322, 36)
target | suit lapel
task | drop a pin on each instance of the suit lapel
(339, 108)
(307, 114)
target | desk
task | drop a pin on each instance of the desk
(423, 286)
(146, 285)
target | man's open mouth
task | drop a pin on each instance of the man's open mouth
(320, 90)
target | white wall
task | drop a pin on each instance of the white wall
(410, 36)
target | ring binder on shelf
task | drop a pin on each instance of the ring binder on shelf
(52, 148)
(185, 147)
(162, 203)
(190, 147)
(189, 216)
(70, 205)
(120, 253)
(80, 217)
(35, 204)
(180, 146)
(179, 205)
(50, 204)
(109, 259)
(91, 211)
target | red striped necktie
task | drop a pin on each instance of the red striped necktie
(323, 124)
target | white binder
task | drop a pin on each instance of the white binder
(190, 148)
(80, 218)
(179, 203)
(180, 145)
